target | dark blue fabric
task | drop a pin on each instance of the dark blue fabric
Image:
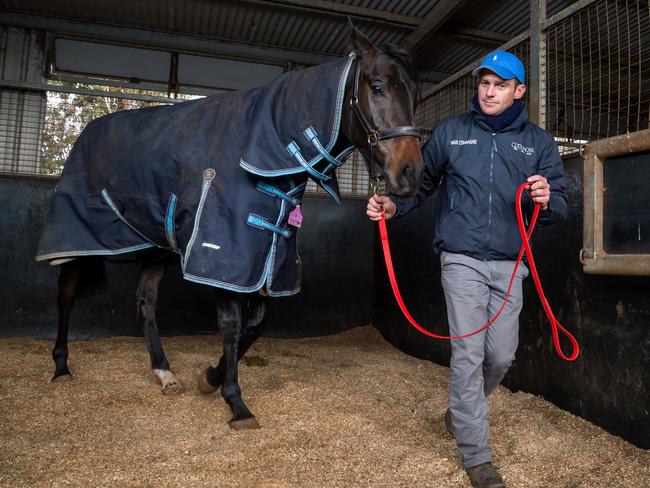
(185, 176)
(501, 121)
(474, 213)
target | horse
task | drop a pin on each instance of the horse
(213, 181)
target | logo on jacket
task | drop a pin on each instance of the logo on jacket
(528, 151)
(462, 142)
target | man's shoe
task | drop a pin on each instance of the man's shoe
(485, 476)
(448, 425)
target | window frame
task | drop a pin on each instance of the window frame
(594, 258)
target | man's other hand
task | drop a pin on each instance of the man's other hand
(539, 190)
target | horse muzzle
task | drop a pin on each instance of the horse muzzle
(403, 166)
(406, 180)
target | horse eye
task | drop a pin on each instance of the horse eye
(377, 88)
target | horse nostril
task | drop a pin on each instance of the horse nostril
(407, 175)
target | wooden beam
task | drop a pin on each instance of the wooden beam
(480, 35)
(432, 22)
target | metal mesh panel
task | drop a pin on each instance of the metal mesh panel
(451, 100)
(598, 77)
(352, 177)
(38, 128)
(21, 128)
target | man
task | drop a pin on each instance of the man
(483, 156)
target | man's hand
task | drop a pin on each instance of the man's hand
(539, 190)
(377, 203)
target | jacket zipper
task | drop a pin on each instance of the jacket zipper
(492, 151)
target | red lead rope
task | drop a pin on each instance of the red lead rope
(525, 236)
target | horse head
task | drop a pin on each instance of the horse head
(382, 96)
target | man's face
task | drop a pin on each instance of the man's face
(495, 95)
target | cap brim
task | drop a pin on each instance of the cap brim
(501, 72)
(506, 74)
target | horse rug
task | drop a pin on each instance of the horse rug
(217, 180)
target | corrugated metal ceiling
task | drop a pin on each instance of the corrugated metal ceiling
(312, 26)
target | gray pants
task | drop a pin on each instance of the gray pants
(474, 291)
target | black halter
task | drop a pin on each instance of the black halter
(374, 134)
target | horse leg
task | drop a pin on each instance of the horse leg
(253, 327)
(235, 343)
(68, 280)
(146, 302)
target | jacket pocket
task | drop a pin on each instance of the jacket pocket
(453, 196)
(450, 202)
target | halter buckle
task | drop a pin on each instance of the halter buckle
(373, 137)
(375, 185)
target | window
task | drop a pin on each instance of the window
(616, 228)
(42, 115)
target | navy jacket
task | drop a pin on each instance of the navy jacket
(481, 171)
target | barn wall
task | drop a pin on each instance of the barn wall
(609, 384)
(337, 277)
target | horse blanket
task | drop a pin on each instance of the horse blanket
(215, 180)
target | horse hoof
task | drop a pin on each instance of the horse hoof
(172, 389)
(203, 385)
(249, 423)
(62, 378)
(169, 384)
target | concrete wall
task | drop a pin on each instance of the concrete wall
(609, 384)
(334, 244)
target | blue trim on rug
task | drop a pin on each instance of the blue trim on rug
(204, 193)
(169, 222)
(221, 284)
(271, 268)
(97, 252)
(271, 172)
(258, 222)
(297, 189)
(294, 150)
(274, 191)
(312, 136)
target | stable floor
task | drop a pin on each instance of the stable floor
(341, 411)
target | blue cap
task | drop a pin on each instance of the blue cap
(504, 64)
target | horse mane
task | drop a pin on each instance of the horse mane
(402, 57)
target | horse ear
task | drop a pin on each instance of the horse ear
(357, 42)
